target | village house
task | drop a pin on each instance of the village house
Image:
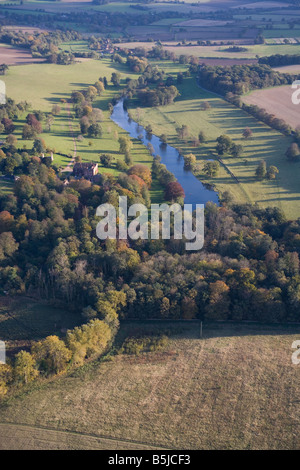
(86, 170)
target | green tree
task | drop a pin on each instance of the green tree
(211, 169)
(272, 172)
(293, 153)
(95, 130)
(125, 145)
(116, 79)
(224, 144)
(261, 170)
(51, 354)
(25, 370)
(189, 161)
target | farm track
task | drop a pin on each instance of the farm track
(23, 436)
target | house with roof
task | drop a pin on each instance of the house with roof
(86, 170)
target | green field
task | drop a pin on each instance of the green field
(75, 46)
(6, 186)
(224, 118)
(217, 51)
(220, 51)
(234, 389)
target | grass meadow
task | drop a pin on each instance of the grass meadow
(236, 388)
(218, 51)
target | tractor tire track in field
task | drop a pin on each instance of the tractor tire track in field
(68, 168)
(15, 436)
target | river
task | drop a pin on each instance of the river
(195, 191)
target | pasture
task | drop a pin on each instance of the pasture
(236, 388)
(218, 51)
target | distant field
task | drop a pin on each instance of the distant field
(265, 5)
(24, 29)
(234, 389)
(277, 101)
(203, 23)
(292, 69)
(67, 6)
(219, 51)
(13, 56)
(75, 46)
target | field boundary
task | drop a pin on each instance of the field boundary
(83, 434)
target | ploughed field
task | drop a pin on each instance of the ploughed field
(277, 101)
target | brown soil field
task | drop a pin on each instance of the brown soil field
(24, 29)
(229, 62)
(14, 56)
(277, 101)
(264, 5)
(289, 69)
(202, 23)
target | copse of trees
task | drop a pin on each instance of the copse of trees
(240, 79)
(89, 117)
(226, 146)
(278, 60)
(152, 88)
(161, 96)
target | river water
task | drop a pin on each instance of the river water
(195, 191)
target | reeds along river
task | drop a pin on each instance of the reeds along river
(195, 191)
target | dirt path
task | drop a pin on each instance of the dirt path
(25, 437)
(68, 168)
